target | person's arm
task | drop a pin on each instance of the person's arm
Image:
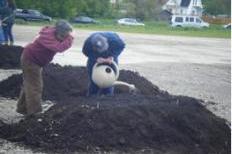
(64, 45)
(3, 10)
(87, 48)
(117, 46)
(61, 46)
(55, 45)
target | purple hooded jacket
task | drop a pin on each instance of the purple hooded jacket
(42, 50)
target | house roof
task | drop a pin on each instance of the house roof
(166, 12)
(185, 3)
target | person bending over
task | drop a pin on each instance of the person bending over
(50, 41)
(101, 47)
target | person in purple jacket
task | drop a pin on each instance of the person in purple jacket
(101, 47)
(36, 55)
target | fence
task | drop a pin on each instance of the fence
(216, 20)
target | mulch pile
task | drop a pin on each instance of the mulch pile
(10, 56)
(150, 119)
(61, 83)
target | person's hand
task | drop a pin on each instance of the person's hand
(68, 35)
(100, 60)
(109, 60)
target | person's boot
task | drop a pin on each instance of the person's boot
(21, 111)
(34, 110)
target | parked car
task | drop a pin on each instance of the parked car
(228, 26)
(188, 21)
(31, 15)
(130, 22)
(84, 20)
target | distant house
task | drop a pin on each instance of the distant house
(165, 15)
(184, 7)
(115, 1)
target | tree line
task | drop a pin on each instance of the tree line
(68, 8)
(215, 7)
(143, 9)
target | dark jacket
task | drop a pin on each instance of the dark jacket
(46, 46)
(7, 15)
(116, 46)
(3, 3)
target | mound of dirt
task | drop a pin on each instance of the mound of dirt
(125, 122)
(152, 119)
(61, 83)
(10, 56)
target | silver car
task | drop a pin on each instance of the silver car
(130, 22)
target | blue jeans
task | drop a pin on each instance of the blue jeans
(2, 38)
(94, 90)
(7, 30)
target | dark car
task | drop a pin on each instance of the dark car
(228, 26)
(84, 20)
(31, 15)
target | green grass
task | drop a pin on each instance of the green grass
(160, 28)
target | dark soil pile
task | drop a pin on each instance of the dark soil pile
(125, 122)
(10, 56)
(61, 83)
(150, 119)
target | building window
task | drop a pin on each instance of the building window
(187, 19)
(191, 19)
(179, 19)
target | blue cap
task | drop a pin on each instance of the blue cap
(99, 43)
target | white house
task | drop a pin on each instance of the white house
(184, 7)
(115, 1)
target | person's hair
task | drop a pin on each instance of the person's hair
(63, 27)
(99, 42)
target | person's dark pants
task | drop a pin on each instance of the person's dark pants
(7, 30)
(31, 93)
(93, 89)
(2, 39)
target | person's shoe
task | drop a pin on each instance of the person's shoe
(34, 114)
(20, 111)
